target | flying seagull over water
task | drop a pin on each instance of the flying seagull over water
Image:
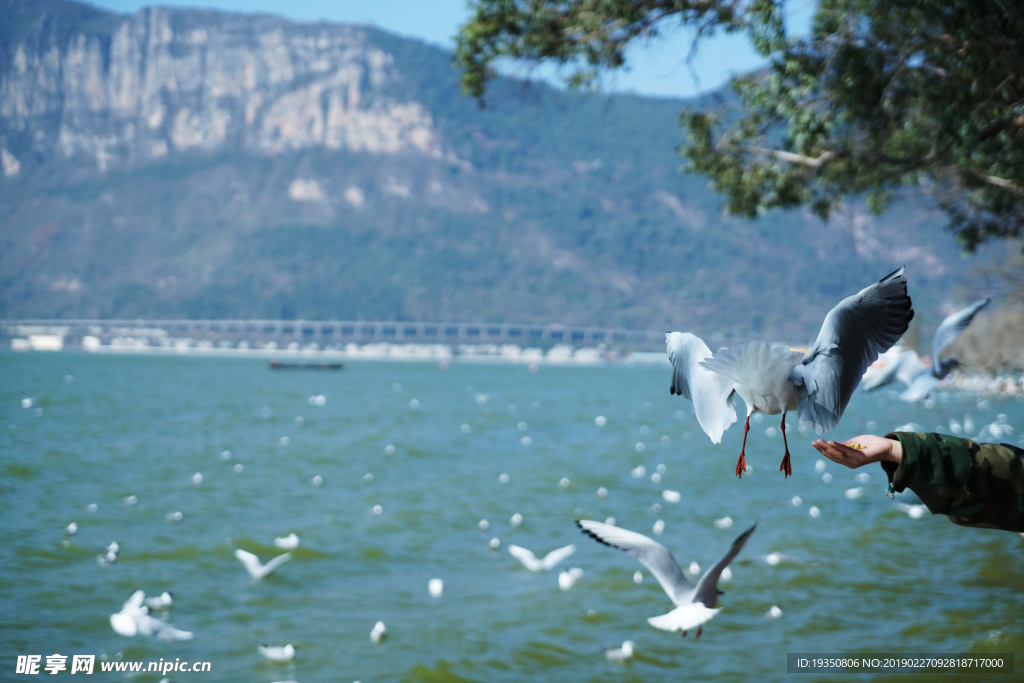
(906, 367)
(694, 605)
(773, 379)
(253, 566)
(531, 562)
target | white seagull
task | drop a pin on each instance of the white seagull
(913, 511)
(906, 367)
(772, 379)
(568, 578)
(289, 542)
(531, 562)
(162, 601)
(694, 604)
(621, 654)
(253, 566)
(110, 556)
(134, 619)
(379, 632)
(278, 654)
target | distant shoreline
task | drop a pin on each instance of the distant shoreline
(433, 353)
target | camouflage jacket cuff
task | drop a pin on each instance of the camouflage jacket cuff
(932, 462)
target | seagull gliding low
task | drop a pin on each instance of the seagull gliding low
(694, 605)
(253, 566)
(531, 562)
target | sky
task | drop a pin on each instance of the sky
(658, 67)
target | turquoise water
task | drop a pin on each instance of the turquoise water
(103, 428)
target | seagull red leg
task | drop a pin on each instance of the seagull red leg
(684, 634)
(700, 630)
(785, 467)
(741, 464)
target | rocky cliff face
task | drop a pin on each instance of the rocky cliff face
(163, 81)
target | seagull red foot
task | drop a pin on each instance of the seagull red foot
(785, 467)
(741, 464)
(700, 630)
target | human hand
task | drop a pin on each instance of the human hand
(872, 449)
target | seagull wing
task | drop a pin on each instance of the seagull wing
(134, 603)
(168, 632)
(653, 555)
(706, 591)
(556, 556)
(950, 328)
(528, 559)
(251, 563)
(853, 334)
(275, 563)
(124, 624)
(711, 393)
(875, 378)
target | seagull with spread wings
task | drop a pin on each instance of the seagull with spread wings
(256, 569)
(531, 562)
(773, 379)
(906, 367)
(695, 605)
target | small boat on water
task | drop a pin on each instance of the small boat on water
(278, 365)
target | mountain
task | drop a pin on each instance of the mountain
(201, 164)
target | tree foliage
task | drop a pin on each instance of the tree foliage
(880, 94)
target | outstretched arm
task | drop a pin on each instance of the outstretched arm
(973, 484)
(861, 450)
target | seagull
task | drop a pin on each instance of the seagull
(110, 554)
(379, 632)
(913, 511)
(906, 367)
(531, 562)
(773, 379)
(621, 654)
(134, 619)
(257, 570)
(694, 604)
(278, 654)
(289, 542)
(568, 578)
(774, 559)
(162, 601)
(125, 622)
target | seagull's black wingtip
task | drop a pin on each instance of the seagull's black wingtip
(594, 536)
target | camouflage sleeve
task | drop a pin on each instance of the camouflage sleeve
(979, 485)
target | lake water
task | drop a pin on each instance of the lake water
(100, 429)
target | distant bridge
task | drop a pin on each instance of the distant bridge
(332, 332)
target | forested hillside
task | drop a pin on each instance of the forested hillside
(187, 163)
